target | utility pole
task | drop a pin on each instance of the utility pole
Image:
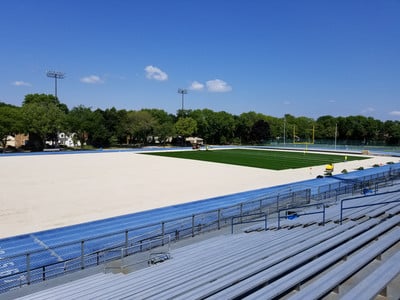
(55, 75)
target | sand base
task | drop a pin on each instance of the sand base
(47, 191)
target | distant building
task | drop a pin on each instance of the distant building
(17, 141)
(195, 140)
(10, 141)
(68, 140)
(21, 140)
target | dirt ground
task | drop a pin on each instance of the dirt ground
(41, 192)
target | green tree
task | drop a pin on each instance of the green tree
(185, 127)
(325, 127)
(202, 118)
(304, 128)
(224, 124)
(245, 123)
(139, 125)
(164, 124)
(214, 127)
(45, 99)
(160, 115)
(374, 130)
(80, 122)
(10, 122)
(99, 136)
(260, 132)
(391, 133)
(44, 117)
(113, 121)
(275, 127)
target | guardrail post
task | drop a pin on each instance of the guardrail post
(293, 198)
(82, 254)
(323, 215)
(219, 218)
(341, 212)
(277, 203)
(279, 219)
(126, 239)
(266, 226)
(28, 268)
(193, 216)
(162, 233)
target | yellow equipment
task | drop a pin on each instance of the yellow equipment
(329, 169)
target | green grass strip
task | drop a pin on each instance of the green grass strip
(265, 159)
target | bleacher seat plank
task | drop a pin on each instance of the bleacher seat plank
(340, 273)
(381, 210)
(197, 260)
(371, 285)
(245, 279)
(299, 274)
(394, 211)
(204, 274)
(232, 266)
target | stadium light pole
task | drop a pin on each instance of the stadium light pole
(55, 75)
(182, 92)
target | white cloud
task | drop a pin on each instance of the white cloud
(395, 113)
(155, 73)
(21, 83)
(196, 86)
(218, 86)
(368, 110)
(92, 79)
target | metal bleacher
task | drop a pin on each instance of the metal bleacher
(313, 261)
(305, 257)
(372, 284)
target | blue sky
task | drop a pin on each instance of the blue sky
(305, 58)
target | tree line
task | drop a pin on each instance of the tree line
(44, 116)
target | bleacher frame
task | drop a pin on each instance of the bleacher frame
(177, 229)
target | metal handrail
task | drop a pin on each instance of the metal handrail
(303, 214)
(124, 251)
(256, 216)
(223, 214)
(365, 205)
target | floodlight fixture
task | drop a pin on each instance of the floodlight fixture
(56, 75)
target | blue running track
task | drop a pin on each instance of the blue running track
(49, 239)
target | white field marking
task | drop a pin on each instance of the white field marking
(41, 243)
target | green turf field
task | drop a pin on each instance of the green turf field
(273, 160)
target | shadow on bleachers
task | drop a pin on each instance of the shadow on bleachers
(357, 259)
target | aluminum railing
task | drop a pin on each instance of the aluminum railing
(28, 267)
